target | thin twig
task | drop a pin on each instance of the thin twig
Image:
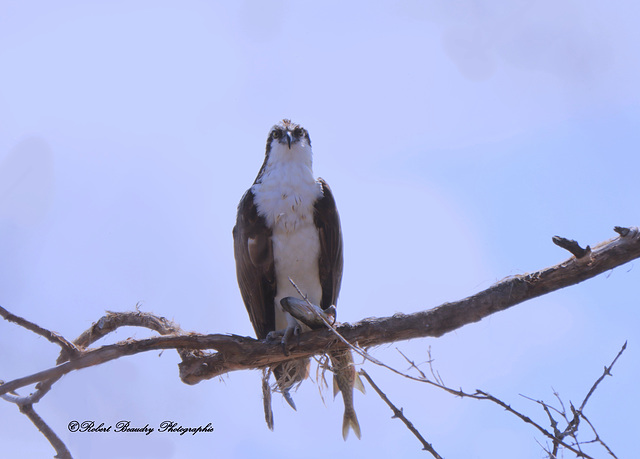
(607, 372)
(398, 413)
(598, 439)
(55, 338)
(480, 395)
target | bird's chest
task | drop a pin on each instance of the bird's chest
(288, 210)
(295, 255)
(286, 199)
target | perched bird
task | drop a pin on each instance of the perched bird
(288, 227)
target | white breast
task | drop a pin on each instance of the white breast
(285, 197)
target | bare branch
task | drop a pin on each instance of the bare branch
(232, 344)
(398, 413)
(557, 436)
(572, 246)
(607, 372)
(61, 450)
(113, 320)
(481, 395)
(598, 439)
(66, 346)
(573, 421)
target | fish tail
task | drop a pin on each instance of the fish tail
(350, 421)
(344, 379)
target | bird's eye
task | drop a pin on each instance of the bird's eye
(298, 132)
(277, 134)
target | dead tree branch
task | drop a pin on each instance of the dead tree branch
(607, 372)
(61, 449)
(399, 414)
(55, 338)
(557, 436)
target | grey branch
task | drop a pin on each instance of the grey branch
(61, 449)
(66, 346)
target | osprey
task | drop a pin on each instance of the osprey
(288, 227)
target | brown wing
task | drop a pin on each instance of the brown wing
(254, 265)
(330, 261)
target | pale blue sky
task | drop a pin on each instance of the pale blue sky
(458, 138)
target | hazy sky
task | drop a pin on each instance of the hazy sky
(458, 137)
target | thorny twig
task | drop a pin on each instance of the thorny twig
(607, 372)
(597, 437)
(573, 421)
(398, 413)
(557, 437)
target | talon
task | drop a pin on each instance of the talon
(290, 331)
(331, 314)
(289, 399)
(274, 335)
(285, 339)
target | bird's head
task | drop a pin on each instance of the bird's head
(288, 145)
(289, 136)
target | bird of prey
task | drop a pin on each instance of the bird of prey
(288, 227)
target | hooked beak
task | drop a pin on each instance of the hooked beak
(289, 139)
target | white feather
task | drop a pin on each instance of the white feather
(285, 197)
